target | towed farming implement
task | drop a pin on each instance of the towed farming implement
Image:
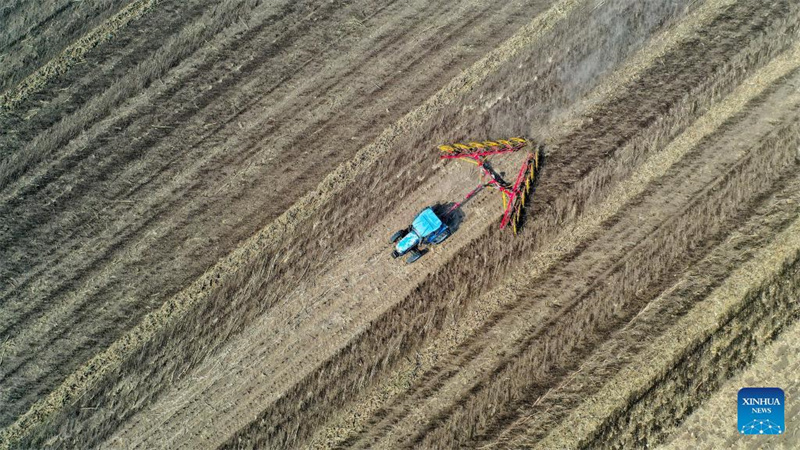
(514, 194)
(428, 228)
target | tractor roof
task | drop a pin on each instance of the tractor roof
(426, 223)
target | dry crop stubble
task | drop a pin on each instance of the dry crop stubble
(774, 365)
(624, 292)
(34, 33)
(73, 54)
(288, 275)
(426, 295)
(715, 335)
(733, 75)
(610, 296)
(169, 53)
(86, 304)
(144, 144)
(509, 292)
(125, 342)
(623, 348)
(637, 284)
(112, 212)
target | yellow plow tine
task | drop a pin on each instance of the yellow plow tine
(476, 145)
(446, 148)
(491, 144)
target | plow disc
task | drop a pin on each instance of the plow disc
(516, 194)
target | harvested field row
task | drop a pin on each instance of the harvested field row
(109, 256)
(548, 346)
(405, 307)
(623, 347)
(753, 304)
(774, 365)
(194, 209)
(35, 32)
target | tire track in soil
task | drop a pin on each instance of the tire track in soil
(83, 309)
(530, 314)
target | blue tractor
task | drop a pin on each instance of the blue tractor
(426, 229)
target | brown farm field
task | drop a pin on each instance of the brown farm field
(196, 199)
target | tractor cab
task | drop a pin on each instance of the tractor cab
(426, 229)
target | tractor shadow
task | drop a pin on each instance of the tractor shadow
(452, 219)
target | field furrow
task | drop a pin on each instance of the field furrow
(195, 200)
(141, 219)
(759, 297)
(654, 222)
(623, 347)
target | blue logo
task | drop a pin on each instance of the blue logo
(761, 411)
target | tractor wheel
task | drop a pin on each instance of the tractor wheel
(396, 236)
(414, 255)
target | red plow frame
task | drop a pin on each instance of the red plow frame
(514, 195)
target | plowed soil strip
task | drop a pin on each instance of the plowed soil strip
(81, 379)
(589, 225)
(123, 244)
(694, 331)
(695, 284)
(713, 425)
(75, 53)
